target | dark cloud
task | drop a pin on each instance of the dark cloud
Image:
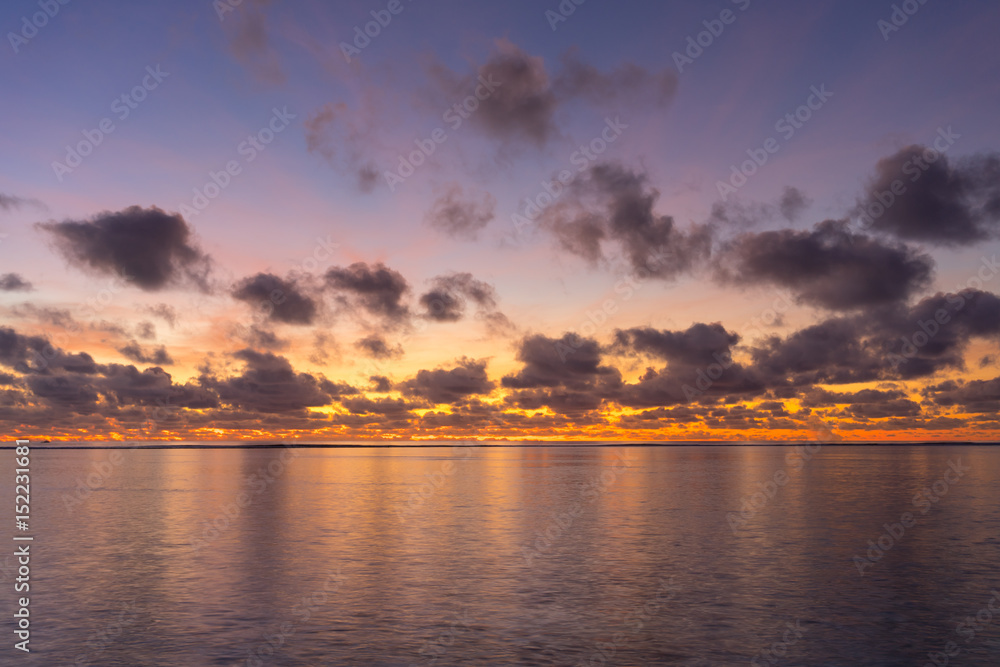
(448, 298)
(144, 247)
(282, 299)
(569, 361)
(522, 104)
(344, 137)
(450, 385)
(734, 214)
(164, 311)
(74, 384)
(442, 305)
(864, 404)
(975, 396)
(127, 385)
(260, 338)
(946, 202)
(380, 383)
(268, 384)
(793, 202)
(610, 204)
(524, 97)
(376, 347)
(888, 343)
(459, 215)
(249, 40)
(832, 352)
(700, 366)
(626, 84)
(57, 317)
(377, 289)
(72, 393)
(829, 266)
(696, 345)
(13, 282)
(136, 352)
(10, 202)
(145, 330)
(37, 355)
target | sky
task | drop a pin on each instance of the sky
(403, 219)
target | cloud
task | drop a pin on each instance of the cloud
(268, 384)
(344, 138)
(866, 403)
(450, 385)
(828, 266)
(460, 216)
(282, 299)
(611, 204)
(975, 396)
(146, 248)
(446, 301)
(380, 384)
(700, 366)
(377, 289)
(888, 343)
(249, 41)
(135, 352)
(522, 104)
(569, 361)
(696, 345)
(945, 202)
(57, 317)
(793, 202)
(164, 311)
(627, 84)
(37, 355)
(376, 347)
(260, 338)
(835, 351)
(524, 97)
(10, 202)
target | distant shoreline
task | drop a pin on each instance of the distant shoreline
(466, 443)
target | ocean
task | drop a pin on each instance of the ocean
(550, 554)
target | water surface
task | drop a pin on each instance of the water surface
(558, 555)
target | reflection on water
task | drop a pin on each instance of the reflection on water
(502, 555)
